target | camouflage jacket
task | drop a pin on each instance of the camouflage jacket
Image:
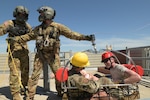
(14, 28)
(48, 37)
(84, 87)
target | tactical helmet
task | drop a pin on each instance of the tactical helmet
(21, 10)
(46, 13)
(80, 59)
(107, 55)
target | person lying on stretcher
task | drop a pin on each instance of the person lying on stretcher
(88, 85)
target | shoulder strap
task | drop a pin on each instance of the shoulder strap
(51, 32)
(14, 22)
(54, 33)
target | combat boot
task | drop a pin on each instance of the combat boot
(23, 91)
(65, 97)
(28, 98)
(17, 96)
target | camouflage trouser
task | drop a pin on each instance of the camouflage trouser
(86, 88)
(123, 94)
(53, 62)
(95, 87)
(18, 65)
(134, 96)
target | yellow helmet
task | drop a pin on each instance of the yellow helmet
(80, 59)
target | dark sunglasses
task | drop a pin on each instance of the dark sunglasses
(106, 60)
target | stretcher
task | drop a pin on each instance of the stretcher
(105, 92)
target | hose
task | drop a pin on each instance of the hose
(10, 54)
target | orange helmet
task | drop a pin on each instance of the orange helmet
(107, 55)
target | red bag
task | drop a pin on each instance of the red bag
(62, 74)
(136, 68)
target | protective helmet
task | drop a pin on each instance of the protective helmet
(47, 13)
(23, 10)
(107, 55)
(80, 59)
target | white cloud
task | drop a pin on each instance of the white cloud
(142, 28)
(117, 43)
(122, 43)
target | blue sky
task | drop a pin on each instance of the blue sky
(120, 23)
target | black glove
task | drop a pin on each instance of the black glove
(90, 37)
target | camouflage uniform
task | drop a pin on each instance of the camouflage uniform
(85, 88)
(90, 90)
(48, 49)
(125, 93)
(20, 62)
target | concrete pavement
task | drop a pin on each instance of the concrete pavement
(50, 95)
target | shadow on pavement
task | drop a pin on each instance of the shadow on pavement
(6, 92)
(51, 95)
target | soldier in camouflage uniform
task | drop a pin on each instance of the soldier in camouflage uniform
(48, 46)
(87, 84)
(20, 59)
